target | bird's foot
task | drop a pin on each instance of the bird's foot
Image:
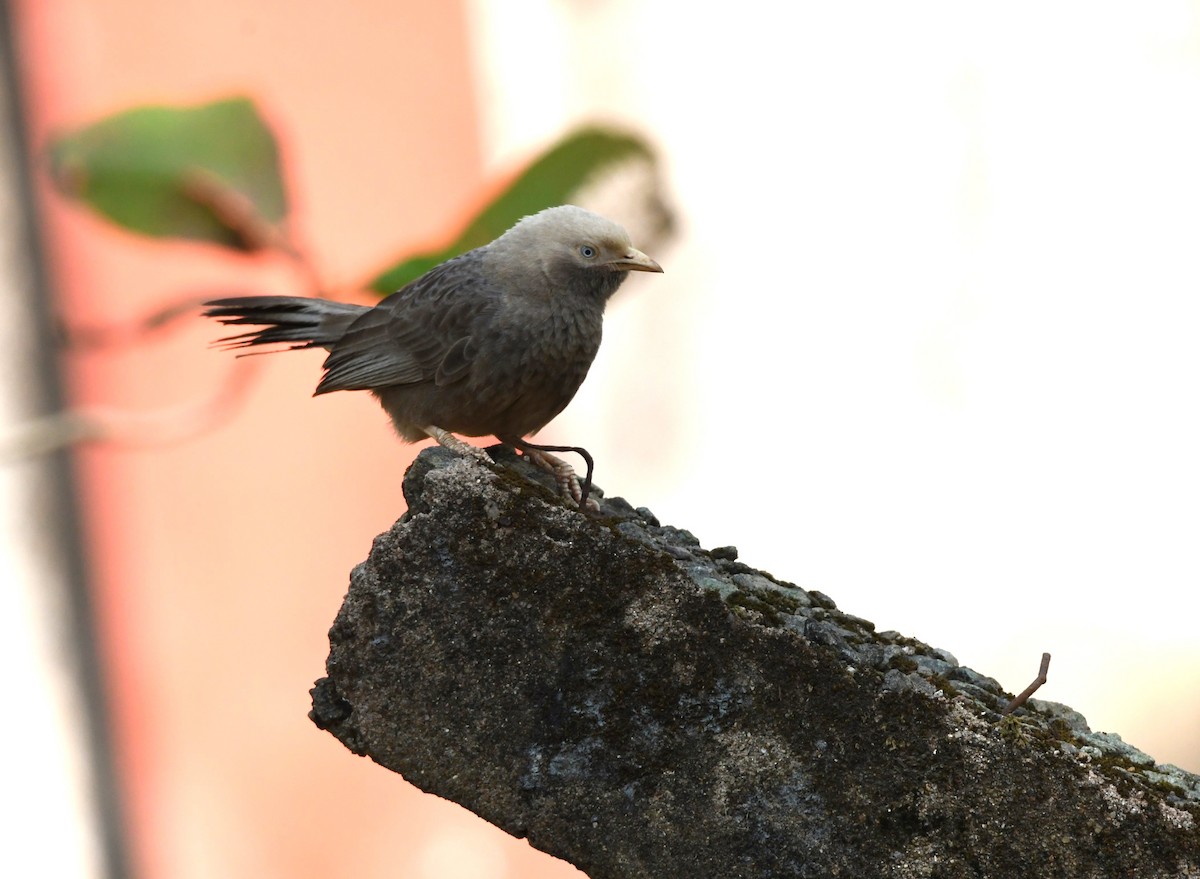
(450, 441)
(564, 474)
(569, 485)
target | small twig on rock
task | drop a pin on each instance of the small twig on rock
(1024, 695)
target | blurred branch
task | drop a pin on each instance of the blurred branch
(235, 209)
(241, 215)
(157, 427)
(99, 336)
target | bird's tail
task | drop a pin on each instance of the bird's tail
(292, 321)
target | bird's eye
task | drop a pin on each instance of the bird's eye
(587, 251)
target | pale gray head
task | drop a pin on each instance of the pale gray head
(570, 248)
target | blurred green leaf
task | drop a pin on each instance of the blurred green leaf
(552, 179)
(207, 173)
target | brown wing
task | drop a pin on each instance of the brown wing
(423, 332)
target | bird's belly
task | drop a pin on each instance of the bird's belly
(519, 379)
(533, 409)
(534, 386)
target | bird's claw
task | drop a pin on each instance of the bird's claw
(479, 454)
(572, 490)
(564, 474)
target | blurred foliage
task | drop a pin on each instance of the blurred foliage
(552, 179)
(212, 173)
(176, 172)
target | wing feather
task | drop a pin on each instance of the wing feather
(420, 333)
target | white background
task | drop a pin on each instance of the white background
(928, 341)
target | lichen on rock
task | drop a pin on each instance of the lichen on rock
(640, 706)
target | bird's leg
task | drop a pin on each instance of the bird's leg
(454, 444)
(564, 474)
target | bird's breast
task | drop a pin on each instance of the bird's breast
(533, 364)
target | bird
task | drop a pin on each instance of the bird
(493, 342)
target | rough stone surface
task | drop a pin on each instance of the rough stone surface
(642, 707)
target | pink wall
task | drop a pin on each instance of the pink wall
(219, 562)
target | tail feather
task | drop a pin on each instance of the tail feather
(292, 321)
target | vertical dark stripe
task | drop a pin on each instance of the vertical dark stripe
(58, 481)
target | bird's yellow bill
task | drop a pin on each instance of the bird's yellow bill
(636, 261)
